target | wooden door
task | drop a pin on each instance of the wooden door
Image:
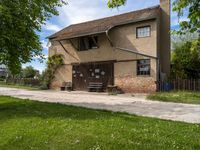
(79, 77)
(102, 73)
(83, 74)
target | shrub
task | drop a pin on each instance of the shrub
(54, 62)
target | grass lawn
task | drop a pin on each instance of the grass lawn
(177, 96)
(3, 84)
(35, 125)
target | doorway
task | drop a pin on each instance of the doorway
(101, 72)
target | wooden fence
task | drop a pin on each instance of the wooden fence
(24, 81)
(179, 84)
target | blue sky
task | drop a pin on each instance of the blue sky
(84, 10)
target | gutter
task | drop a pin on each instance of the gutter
(67, 51)
(135, 52)
(131, 51)
(125, 49)
(109, 39)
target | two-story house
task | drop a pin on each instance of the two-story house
(130, 50)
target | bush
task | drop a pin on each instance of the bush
(2, 78)
(43, 87)
(54, 62)
(24, 81)
(186, 60)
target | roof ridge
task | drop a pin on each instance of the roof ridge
(102, 23)
(152, 7)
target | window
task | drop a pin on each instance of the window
(143, 67)
(86, 43)
(143, 32)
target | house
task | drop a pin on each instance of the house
(3, 71)
(130, 50)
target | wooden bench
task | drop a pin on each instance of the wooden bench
(95, 87)
(66, 86)
(112, 89)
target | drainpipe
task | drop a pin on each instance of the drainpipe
(132, 51)
(109, 39)
(67, 51)
(125, 49)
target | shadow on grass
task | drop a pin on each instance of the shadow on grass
(99, 126)
(17, 108)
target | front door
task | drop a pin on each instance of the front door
(79, 75)
(83, 74)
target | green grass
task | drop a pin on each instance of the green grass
(177, 96)
(26, 125)
(3, 84)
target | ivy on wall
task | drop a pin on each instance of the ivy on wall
(53, 64)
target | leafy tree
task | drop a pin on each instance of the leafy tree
(29, 72)
(193, 7)
(116, 3)
(177, 40)
(186, 60)
(19, 22)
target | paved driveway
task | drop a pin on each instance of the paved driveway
(122, 103)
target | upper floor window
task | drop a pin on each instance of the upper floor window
(143, 67)
(143, 32)
(86, 43)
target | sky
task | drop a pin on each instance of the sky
(85, 10)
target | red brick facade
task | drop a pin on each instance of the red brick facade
(131, 84)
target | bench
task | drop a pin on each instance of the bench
(112, 89)
(66, 86)
(95, 87)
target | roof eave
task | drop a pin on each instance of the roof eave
(81, 35)
(104, 31)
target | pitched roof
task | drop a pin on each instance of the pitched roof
(104, 24)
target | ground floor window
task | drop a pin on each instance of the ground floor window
(143, 67)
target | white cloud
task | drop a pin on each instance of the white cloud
(51, 27)
(38, 57)
(174, 16)
(175, 20)
(82, 10)
(44, 44)
(85, 10)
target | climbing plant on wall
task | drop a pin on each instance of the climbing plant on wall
(53, 64)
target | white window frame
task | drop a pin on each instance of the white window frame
(144, 31)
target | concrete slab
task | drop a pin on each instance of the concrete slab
(123, 103)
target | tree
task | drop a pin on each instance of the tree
(19, 22)
(116, 3)
(193, 7)
(29, 72)
(186, 60)
(177, 40)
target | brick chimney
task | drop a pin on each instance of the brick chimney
(165, 40)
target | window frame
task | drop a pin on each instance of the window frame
(88, 40)
(143, 27)
(139, 72)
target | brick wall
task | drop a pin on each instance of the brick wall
(55, 85)
(130, 84)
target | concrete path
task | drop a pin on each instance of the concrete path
(122, 103)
